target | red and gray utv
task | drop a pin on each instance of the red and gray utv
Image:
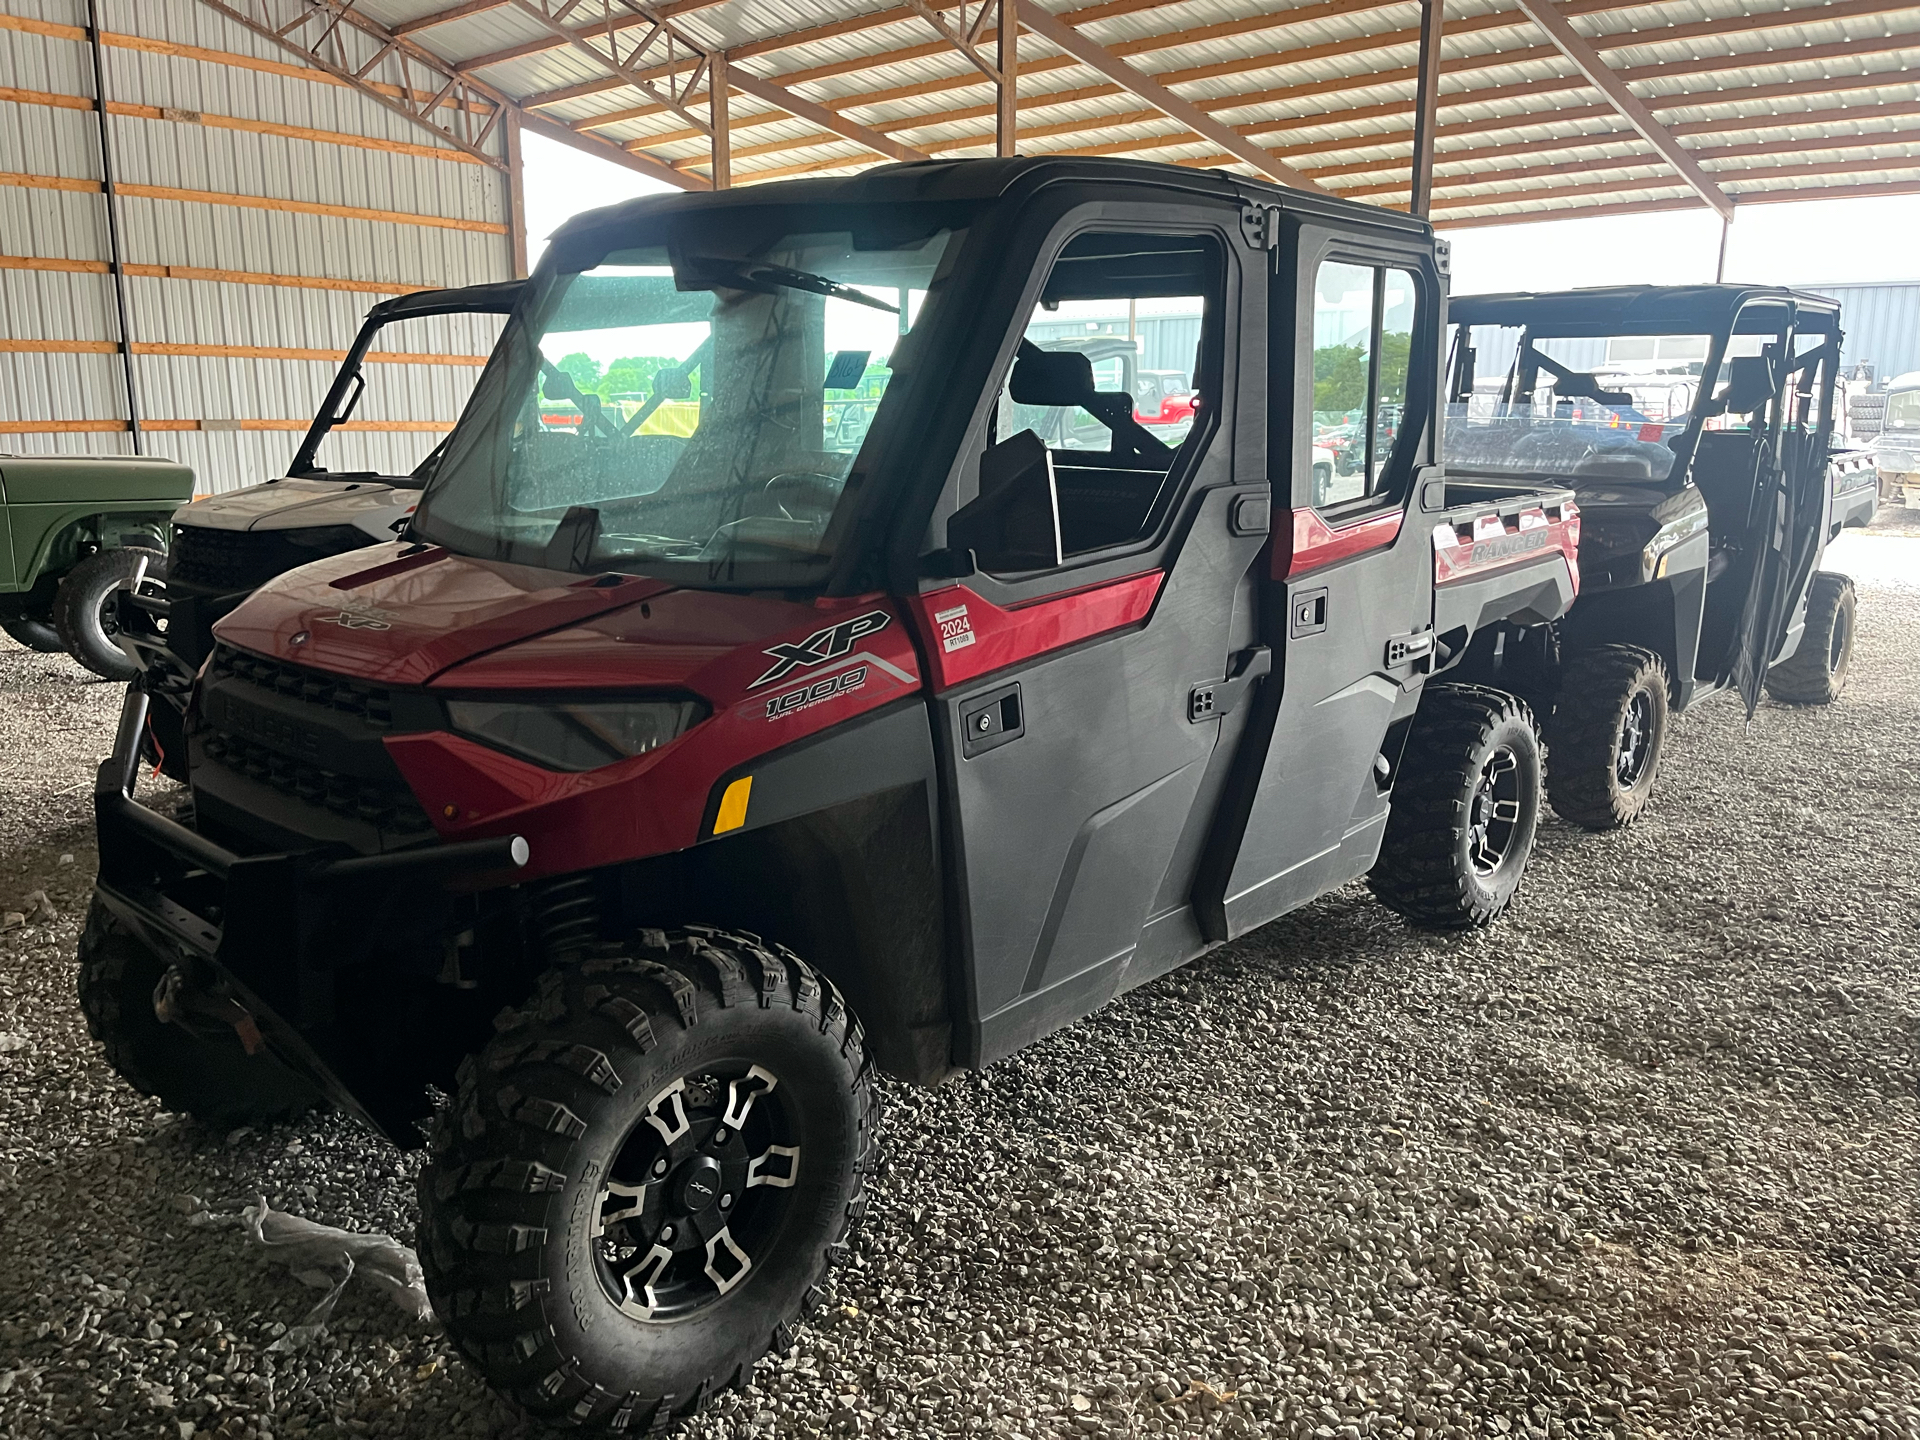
(655, 788)
(1695, 425)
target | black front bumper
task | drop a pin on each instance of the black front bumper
(269, 931)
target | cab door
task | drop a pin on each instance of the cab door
(1347, 596)
(1073, 748)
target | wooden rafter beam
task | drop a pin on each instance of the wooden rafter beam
(1344, 48)
(1791, 196)
(1584, 58)
(1097, 57)
(452, 12)
(1661, 182)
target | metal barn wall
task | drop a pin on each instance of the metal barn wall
(1882, 325)
(247, 273)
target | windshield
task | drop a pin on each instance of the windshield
(1587, 407)
(1903, 410)
(693, 415)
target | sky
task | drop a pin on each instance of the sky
(1819, 242)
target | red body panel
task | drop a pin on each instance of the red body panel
(966, 636)
(1309, 542)
(1491, 543)
(772, 671)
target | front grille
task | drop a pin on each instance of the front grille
(370, 801)
(223, 561)
(371, 703)
(311, 736)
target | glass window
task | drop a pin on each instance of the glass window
(1585, 407)
(416, 377)
(1903, 410)
(1135, 307)
(1363, 323)
(699, 407)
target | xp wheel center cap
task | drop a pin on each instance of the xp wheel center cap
(698, 1186)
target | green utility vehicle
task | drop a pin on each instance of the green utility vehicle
(74, 529)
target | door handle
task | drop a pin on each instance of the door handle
(1216, 698)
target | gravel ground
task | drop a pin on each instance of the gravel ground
(1640, 1161)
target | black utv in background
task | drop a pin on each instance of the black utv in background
(1695, 424)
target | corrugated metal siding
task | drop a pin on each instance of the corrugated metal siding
(177, 153)
(1882, 325)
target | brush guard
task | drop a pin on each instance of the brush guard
(260, 931)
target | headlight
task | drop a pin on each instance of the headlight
(575, 734)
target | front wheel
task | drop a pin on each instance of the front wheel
(644, 1176)
(86, 608)
(1609, 727)
(1465, 809)
(1816, 673)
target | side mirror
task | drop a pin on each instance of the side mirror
(1014, 523)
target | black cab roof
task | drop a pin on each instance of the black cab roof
(1626, 309)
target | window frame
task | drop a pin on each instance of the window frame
(1219, 224)
(1306, 244)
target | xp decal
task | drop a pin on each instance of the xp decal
(820, 647)
(361, 617)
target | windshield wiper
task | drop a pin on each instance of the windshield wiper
(764, 278)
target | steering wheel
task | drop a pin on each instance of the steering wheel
(804, 487)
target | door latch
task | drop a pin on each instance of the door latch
(1409, 649)
(991, 720)
(1216, 698)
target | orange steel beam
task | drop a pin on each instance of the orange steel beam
(1507, 19)
(1793, 195)
(1098, 57)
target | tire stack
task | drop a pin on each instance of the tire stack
(1866, 416)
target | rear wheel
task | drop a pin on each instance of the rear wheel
(644, 1176)
(86, 608)
(1608, 729)
(34, 634)
(205, 1073)
(1465, 809)
(1816, 673)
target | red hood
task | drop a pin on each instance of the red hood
(385, 615)
(460, 623)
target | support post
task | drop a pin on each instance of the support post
(719, 119)
(516, 192)
(1007, 62)
(1426, 107)
(1720, 265)
(116, 255)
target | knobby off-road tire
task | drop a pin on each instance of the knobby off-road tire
(1465, 809)
(208, 1075)
(1816, 673)
(34, 634)
(1608, 730)
(571, 1159)
(83, 607)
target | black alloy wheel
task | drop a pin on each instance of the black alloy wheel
(1494, 816)
(1607, 735)
(1634, 747)
(699, 1188)
(643, 1177)
(1465, 808)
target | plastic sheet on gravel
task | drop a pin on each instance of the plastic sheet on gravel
(1640, 1160)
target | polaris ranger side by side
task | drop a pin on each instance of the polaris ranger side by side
(1695, 424)
(734, 763)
